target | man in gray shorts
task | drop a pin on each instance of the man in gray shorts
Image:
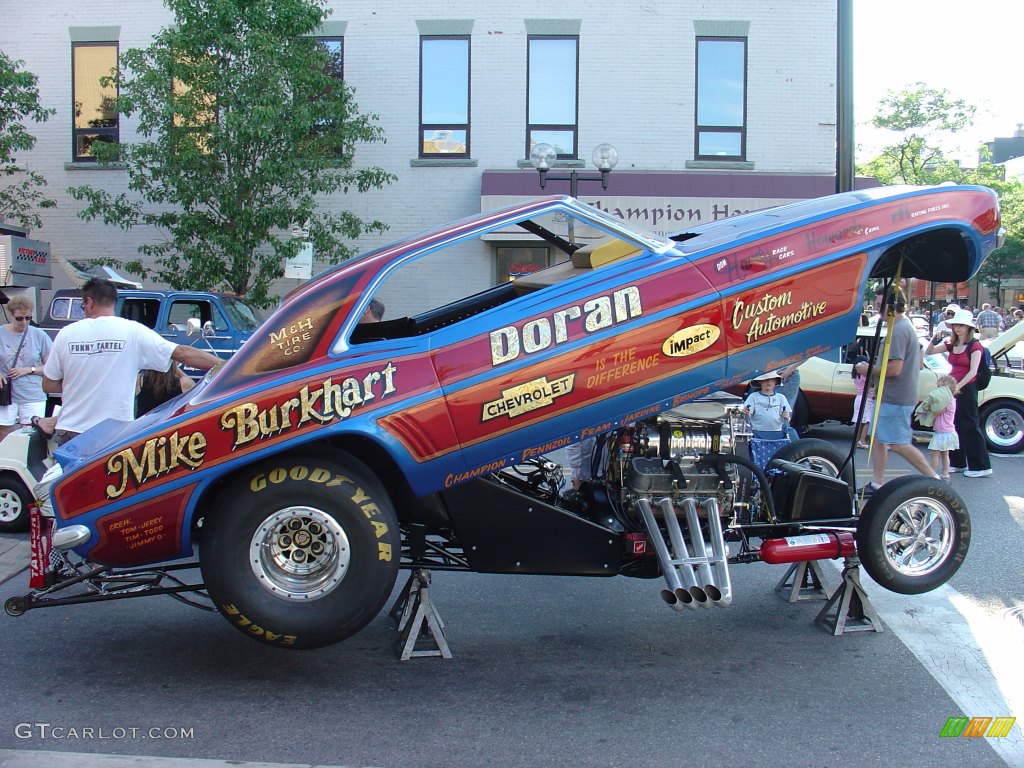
(899, 397)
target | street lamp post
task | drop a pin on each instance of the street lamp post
(604, 157)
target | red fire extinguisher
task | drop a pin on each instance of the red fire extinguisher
(813, 546)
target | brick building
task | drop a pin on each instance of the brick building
(714, 108)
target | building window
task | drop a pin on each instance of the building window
(721, 132)
(444, 96)
(334, 48)
(552, 93)
(94, 104)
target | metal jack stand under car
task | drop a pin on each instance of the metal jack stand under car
(849, 610)
(418, 620)
(803, 581)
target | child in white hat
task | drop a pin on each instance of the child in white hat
(768, 410)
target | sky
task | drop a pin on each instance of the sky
(972, 48)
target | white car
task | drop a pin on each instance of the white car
(827, 391)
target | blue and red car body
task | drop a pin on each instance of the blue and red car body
(770, 287)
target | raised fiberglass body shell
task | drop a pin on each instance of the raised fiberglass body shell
(510, 374)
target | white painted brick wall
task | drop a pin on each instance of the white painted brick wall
(636, 92)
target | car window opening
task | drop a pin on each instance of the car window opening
(597, 252)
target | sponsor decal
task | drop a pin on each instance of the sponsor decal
(527, 397)
(819, 239)
(773, 312)
(548, 447)
(511, 342)
(622, 364)
(292, 339)
(691, 340)
(486, 469)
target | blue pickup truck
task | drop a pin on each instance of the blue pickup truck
(225, 322)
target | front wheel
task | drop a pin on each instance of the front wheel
(301, 552)
(15, 504)
(1002, 423)
(913, 534)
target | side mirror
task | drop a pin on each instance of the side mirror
(208, 329)
(192, 326)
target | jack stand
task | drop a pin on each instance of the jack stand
(418, 619)
(805, 584)
(851, 604)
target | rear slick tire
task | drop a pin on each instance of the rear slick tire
(818, 455)
(301, 552)
(913, 534)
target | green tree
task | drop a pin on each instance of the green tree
(19, 100)
(244, 123)
(1008, 261)
(921, 117)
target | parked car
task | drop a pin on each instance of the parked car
(828, 391)
(330, 452)
(23, 461)
(225, 321)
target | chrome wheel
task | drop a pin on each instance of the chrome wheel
(299, 553)
(913, 534)
(821, 465)
(1003, 426)
(919, 536)
(817, 455)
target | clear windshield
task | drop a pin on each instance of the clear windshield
(244, 315)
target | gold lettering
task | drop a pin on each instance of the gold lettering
(242, 419)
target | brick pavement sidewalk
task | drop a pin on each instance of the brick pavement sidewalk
(14, 554)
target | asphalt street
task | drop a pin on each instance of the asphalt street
(546, 672)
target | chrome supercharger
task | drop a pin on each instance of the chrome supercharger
(684, 478)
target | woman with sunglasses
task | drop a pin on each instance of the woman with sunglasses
(23, 351)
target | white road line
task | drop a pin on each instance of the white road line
(971, 650)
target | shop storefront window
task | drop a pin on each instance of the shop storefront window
(513, 262)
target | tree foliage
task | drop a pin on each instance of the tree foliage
(244, 121)
(21, 193)
(920, 117)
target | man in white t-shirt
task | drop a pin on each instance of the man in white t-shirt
(95, 362)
